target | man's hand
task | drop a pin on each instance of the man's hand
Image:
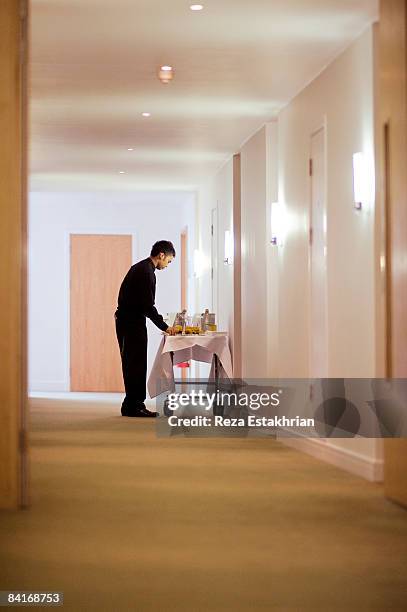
(170, 331)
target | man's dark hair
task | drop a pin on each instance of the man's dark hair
(162, 246)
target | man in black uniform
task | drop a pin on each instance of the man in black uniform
(135, 303)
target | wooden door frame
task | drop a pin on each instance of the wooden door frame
(184, 279)
(214, 258)
(184, 268)
(237, 267)
(13, 251)
(390, 52)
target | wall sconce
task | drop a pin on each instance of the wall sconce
(277, 222)
(359, 180)
(198, 263)
(228, 259)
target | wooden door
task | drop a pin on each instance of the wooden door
(391, 136)
(98, 266)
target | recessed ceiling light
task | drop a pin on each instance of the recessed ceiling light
(121, 172)
(146, 114)
(130, 149)
(166, 74)
(196, 7)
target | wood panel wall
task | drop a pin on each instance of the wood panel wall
(13, 170)
(391, 231)
(237, 269)
(184, 270)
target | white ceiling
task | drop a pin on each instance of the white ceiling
(237, 63)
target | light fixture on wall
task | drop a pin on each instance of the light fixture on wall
(228, 259)
(359, 180)
(198, 263)
(277, 222)
(166, 74)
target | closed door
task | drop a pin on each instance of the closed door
(318, 263)
(98, 265)
(214, 259)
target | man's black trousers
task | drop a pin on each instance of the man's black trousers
(132, 339)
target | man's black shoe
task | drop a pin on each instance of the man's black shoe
(143, 412)
(130, 408)
(138, 411)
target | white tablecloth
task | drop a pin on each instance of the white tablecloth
(184, 348)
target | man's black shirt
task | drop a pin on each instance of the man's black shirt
(137, 295)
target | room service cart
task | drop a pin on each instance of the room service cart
(210, 348)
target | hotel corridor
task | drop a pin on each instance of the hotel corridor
(121, 520)
(267, 141)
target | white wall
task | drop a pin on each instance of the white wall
(52, 217)
(341, 98)
(254, 262)
(272, 256)
(275, 281)
(217, 193)
(259, 262)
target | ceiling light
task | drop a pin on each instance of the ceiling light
(121, 172)
(146, 114)
(165, 74)
(130, 149)
(196, 7)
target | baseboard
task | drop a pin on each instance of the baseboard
(44, 386)
(355, 463)
(77, 396)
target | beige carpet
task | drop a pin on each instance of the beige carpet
(122, 520)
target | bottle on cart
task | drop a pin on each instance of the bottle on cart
(211, 325)
(183, 321)
(179, 322)
(205, 319)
